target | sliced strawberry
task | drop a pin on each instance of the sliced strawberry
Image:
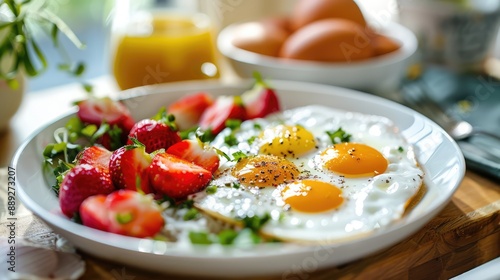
(196, 152)
(261, 100)
(96, 156)
(188, 109)
(176, 177)
(80, 182)
(93, 212)
(224, 108)
(133, 214)
(123, 212)
(128, 168)
(105, 110)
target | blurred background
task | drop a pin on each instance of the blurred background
(91, 20)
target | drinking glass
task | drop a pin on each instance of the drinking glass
(156, 43)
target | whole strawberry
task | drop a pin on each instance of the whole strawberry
(176, 177)
(128, 167)
(80, 182)
(157, 133)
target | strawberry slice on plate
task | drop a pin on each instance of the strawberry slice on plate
(128, 167)
(261, 100)
(224, 108)
(176, 177)
(80, 182)
(123, 212)
(133, 214)
(188, 109)
(157, 133)
(105, 110)
(196, 152)
(96, 156)
(93, 212)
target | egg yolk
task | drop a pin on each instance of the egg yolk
(312, 196)
(354, 160)
(286, 141)
(264, 170)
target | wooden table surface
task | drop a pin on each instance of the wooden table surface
(464, 235)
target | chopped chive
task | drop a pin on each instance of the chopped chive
(211, 189)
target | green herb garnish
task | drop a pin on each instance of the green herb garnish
(124, 218)
(256, 222)
(231, 140)
(211, 189)
(190, 214)
(227, 236)
(59, 172)
(339, 136)
(233, 124)
(237, 156)
(200, 237)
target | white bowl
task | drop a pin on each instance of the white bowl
(374, 75)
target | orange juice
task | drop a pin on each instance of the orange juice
(174, 48)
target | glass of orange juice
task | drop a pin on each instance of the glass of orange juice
(155, 45)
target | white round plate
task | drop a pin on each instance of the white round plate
(437, 153)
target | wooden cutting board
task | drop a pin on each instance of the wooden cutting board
(464, 235)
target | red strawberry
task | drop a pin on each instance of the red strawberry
(80, 182)
(176, 177)
(133, 214)
(188, 109)
(224, 108)
(98, 110)
(157, 133)
(260, 103)
(96, 156)
(93, 212)
(123, 212)
(128, 166)
(196, 152)
(261, 100)
(106, 141)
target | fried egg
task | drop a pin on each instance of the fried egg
(314, 185)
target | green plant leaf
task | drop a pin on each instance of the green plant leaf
(88, 87)
(62, 26)
(79, 69)
(28, 65)
(53, 33)
(39, 54)
(6, 24)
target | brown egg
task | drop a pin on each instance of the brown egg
(282, 22)
(307, 11)
(383, 45)
(259, 37)
(329, 40)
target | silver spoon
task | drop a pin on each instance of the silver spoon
(418, 99)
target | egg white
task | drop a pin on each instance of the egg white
(369, 203)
